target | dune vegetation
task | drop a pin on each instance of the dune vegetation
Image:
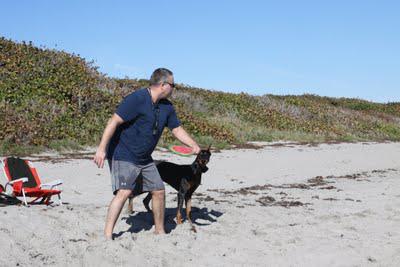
(57, 100)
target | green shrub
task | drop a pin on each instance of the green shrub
(53, 99)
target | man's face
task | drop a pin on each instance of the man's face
(168, 87)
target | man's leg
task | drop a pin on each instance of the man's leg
(114, 210)
(158, 207)
(152, 182)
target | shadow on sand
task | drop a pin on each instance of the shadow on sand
(140, 221)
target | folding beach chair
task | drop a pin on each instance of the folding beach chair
(25, 182)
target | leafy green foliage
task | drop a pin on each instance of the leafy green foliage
(51, 98)
(49, 95)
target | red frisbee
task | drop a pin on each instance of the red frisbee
(181, 150)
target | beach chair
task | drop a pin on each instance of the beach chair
(25, 182)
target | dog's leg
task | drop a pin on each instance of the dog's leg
(180, 204)
(130, 205)
(146, 202)
(188, 203)
(183, 189)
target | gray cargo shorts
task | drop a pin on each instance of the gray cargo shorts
(135, 177)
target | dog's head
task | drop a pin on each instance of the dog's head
(203, 158)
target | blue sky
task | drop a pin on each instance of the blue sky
(335, 48)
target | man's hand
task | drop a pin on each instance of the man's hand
(107, 135)
(99, 158)
(185, 138)
(196, 149)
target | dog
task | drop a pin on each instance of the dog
(183, 178)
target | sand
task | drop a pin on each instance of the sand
(283, 204)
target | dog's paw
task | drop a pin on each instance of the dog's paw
(178, 219)
(128, 211)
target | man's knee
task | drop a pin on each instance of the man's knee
(123, 194)
(159, 194)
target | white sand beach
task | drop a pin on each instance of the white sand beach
(284, 204)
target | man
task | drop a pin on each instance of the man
(129, 139)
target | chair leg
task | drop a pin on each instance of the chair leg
(59, 199)
(23, 194)
(33, 201)
(47, 202)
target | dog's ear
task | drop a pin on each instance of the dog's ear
(208, 149)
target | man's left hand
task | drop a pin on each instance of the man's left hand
(196, 149)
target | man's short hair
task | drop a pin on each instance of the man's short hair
(160, 75)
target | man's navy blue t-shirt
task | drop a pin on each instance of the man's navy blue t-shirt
(136, 138)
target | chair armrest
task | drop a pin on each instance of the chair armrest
(23, 180)
(52, 184)
(20, 180)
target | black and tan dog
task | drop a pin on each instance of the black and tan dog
(185, 179)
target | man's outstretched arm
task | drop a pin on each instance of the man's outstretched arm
(185, 138)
